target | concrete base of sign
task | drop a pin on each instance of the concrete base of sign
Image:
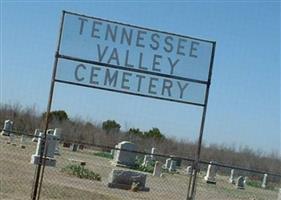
(51, 162)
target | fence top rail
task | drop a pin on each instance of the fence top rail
(162, 155)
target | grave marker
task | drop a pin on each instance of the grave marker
(264, 181)
(157, 169)
(240, 184)
(8, 127)
(36, 135)
(57, 133)
(168, 163)
(124, 179)
(189, 170)
(173, 166)
(153, 151)
(49, 160)
(125, 158)
(22, 142)
(231, 178)
(211, 174)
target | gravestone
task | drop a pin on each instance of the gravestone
(57, 133)
(153, 151)
(189, 171)
(173, 166)
(211, 173)
(178, 160)
(240, 184)
(50, 131)
(73, 147)
(124, 179)
(264, 181)
(49, 160)
(168, 163)
(157, 169)
(66, 145)
(12, 139)
(112, 152)
(125, 158)
(146, 160)
(231, 178)
(22, 142)
(8, 127)
(36, 135)
(245, 181)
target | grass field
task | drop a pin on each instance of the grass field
(16, 175)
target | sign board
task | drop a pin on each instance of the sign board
(123, 58)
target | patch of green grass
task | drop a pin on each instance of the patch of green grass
(254, 183)
(81, 172)
(104, 155)
(139, 167)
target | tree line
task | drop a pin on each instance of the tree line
(109, 133)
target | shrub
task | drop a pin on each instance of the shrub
(81, 172)
(104, 155)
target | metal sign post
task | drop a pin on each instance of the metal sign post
(39, 175)
(196, 167)
(117, 57)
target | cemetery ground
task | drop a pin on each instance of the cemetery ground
(16, 175)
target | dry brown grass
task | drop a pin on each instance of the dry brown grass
(17, 174)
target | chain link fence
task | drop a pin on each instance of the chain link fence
(84, 171)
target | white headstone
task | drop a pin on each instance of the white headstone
(22, 141)
(189, 170)
(264, 181)
(8, 127)
(153, 151)
(231, 178)
(146, 160)
(73, 147)
(211, 174)
(240, 184)
(125, 158)
(57, 133)
(157, 169)
(112, 152)
(173, 166)
(50, 131)
(168, 163)
(36, 135)
(51, 141)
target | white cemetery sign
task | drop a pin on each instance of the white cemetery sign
(128, 59)
(123, 58)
